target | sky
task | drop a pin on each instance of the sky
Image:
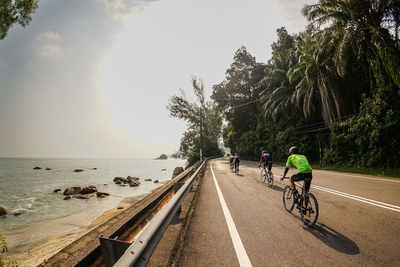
(92, 78)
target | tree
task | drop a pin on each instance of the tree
(204, 123)
(362, 36)
(237, 97)
(360, 29)
(318, 85)
(277, 92)
(240, 86)
(15, 11)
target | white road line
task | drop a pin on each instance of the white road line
(358, 176)
(361, 199)
(237, 242)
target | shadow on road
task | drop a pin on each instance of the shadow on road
(276, 188)
(239, 174)
(335, 240)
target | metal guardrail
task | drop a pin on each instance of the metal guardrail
(117, 253)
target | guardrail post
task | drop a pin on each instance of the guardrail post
(112, 250)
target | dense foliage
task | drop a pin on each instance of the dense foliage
(333, 90)
(15, 11)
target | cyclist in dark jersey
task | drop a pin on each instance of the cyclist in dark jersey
(236, 160)
(303, 167)
(266, 159)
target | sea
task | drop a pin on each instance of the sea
(29, 198)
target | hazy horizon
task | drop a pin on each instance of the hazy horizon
(91, 79)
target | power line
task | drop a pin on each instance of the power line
(318, 129)
(308, 128)
(245, 104)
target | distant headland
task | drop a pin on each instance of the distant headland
(162, 156)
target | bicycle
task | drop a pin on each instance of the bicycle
(267, 176)
(237, 169)
(232, 166)
(306, 203)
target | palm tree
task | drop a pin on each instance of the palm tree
(276, 96)
(317, 84)
(359, 29)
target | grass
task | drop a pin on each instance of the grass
(369, 171)
(377, 172)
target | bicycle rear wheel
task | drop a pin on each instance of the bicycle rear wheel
(288, 199)
(262, 176)
(309, 213)
(270, 179)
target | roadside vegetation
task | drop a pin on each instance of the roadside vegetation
(333, 90)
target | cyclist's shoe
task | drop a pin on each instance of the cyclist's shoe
(295, 195)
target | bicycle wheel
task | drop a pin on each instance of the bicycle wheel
(288, 199)
(270, 179)
(309, 213)
(262, 176)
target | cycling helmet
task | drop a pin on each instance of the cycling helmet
(264, 151)
(293, 150)
(236, 154)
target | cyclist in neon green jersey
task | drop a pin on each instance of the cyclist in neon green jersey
(303, 167)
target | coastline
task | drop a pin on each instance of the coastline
(35, 252)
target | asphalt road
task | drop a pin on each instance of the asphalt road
(358, 224)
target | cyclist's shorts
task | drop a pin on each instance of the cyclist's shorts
(307, 177)
(268, 164)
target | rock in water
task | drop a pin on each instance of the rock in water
(77, 189)
(177, 171)
(78, 170)
(133, 181)
(147, 180)
(57, 190)
(156, 181)
(102, 194)
(93, 187)
(3, 211)
(37, 168)
(88, 190)
(48, 169)
(82, 197)
(163, 156)
(69, 191)
(120, 180)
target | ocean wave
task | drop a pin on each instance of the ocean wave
(19, 210)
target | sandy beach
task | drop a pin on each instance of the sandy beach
(35, 252)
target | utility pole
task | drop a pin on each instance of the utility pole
(201, 134)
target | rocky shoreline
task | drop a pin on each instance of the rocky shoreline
(33, 252)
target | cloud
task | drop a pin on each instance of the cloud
(47, 45)
(118, 9)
